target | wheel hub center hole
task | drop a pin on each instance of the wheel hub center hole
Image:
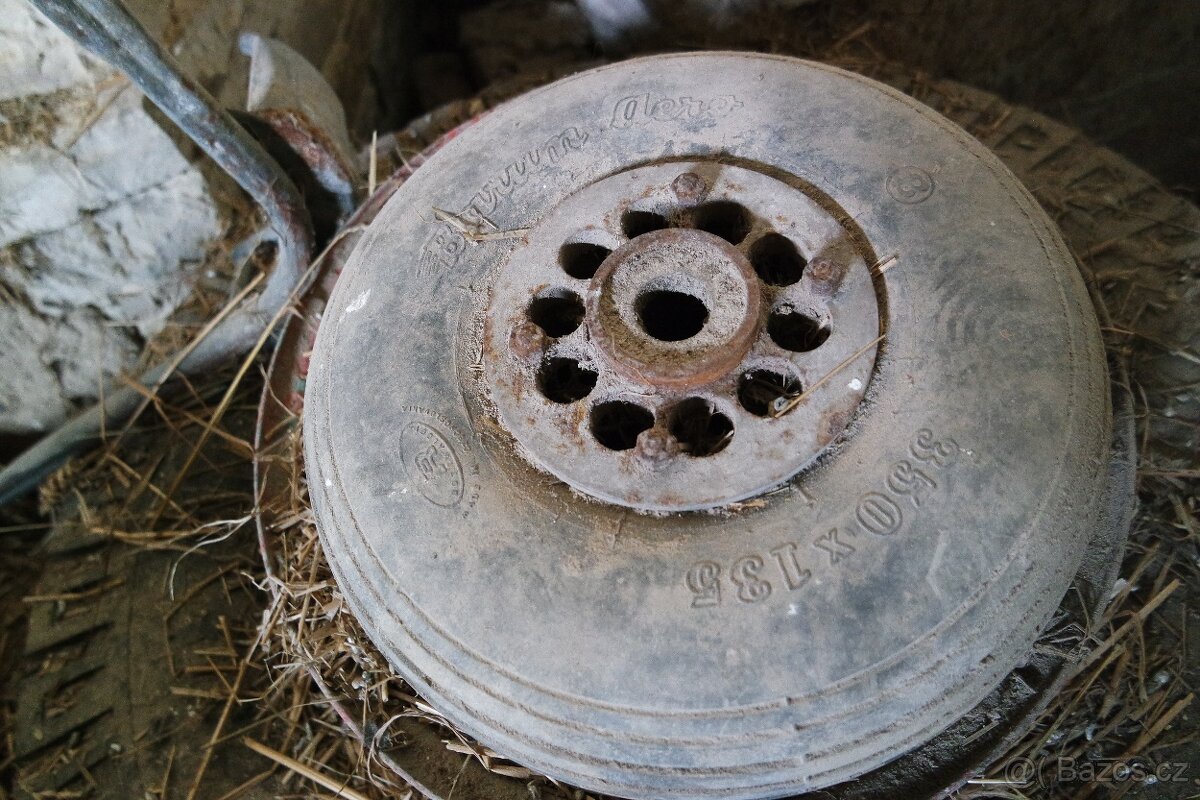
(671, 316)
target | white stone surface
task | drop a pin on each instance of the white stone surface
(106, 213)
(103, 222)
(36, 58)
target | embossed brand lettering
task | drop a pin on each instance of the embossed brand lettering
(433, 462)
(429, 461)
(646, 108)
(446, 244)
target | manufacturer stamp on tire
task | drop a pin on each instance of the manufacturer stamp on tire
(909, 185)
(431, 465)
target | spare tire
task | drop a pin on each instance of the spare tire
(649, 608)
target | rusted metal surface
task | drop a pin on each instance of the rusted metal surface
(689, 188)
(659, 281)
(701, 309)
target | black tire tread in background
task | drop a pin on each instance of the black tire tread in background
(101, 703)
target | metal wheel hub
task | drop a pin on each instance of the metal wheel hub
(818, 332)
(654, 333)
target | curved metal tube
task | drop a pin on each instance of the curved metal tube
(109, 31)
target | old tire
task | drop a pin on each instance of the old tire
(645, 656)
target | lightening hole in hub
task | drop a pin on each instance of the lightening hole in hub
(565, 380)
(580, 260)
(616, 423)
(797, 332)
(725, 219)
(700, 428)
(671, 316)
(634, 223)
(558, 312)
(776, 260)
(758, 390)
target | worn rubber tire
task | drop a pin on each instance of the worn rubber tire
(993, 373)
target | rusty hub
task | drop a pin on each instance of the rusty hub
(682, 335)
(674, 309)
